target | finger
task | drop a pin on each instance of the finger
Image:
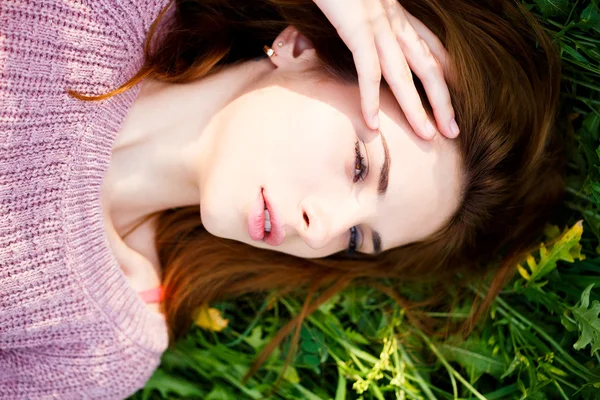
(398, 75)
(433, 42)
(356, 32)
(430, 73)
(429, 70)
(366, 59)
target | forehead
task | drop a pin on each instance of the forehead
(425, 180)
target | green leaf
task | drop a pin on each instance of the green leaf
(551, 8)
(352, 304)
(551, 232)
(593, 188)
(255, 339)
(330, 303)
(170, 384)
(573, 53)
(475, 356)
(312, 342)
(566, 248)
(567, 323)
(587, 321)
(512, 367)
(590, 127)
(355, 336)
(290, 374)
(310, 346)
(311, 360)
(219, 393)
(590, 17)
(550, 300)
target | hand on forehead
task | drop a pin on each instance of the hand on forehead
(386, 40)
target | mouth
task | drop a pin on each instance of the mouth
(263, 222)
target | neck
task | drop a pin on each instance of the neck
(165, 143)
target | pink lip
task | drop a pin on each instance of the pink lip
(256, 221)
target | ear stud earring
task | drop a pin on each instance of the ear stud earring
(269, 51)
(280, 44)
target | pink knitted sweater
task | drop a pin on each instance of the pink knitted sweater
(71, 326)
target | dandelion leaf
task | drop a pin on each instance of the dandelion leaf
(551, 232)
(169, 385)
(568, 324)
(566, 248)
(587, 321)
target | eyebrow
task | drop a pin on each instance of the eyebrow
(384, 173)
(384, 179)
(376, 242)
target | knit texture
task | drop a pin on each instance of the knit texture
(71, 326)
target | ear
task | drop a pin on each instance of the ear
(293, 51)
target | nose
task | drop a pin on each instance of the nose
(320, 224)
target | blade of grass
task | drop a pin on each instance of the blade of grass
(419, 379)
(340, 391)
(450, 369)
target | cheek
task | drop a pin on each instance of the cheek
(319, 137)
(311, 161)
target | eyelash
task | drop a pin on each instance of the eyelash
(359, 164)
(353, 242)
(361, 168)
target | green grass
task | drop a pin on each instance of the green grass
(540, 340)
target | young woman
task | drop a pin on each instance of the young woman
(163, 183)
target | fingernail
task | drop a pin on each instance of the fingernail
(375, 121)
(430, 129)
(454, 127)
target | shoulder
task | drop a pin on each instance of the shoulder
(132, 17)
(66, 20)
(51, 46)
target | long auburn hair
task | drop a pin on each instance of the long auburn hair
(505, 92)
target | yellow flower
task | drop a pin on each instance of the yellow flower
(210, 318)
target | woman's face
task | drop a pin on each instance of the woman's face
(297, 138)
